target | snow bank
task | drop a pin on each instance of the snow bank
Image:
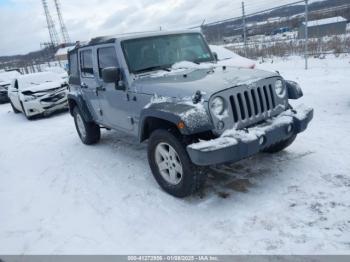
(7, 77)
(58, 196)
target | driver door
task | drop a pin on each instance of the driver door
(14, 95)
(115, 104)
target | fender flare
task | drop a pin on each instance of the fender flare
(80, 102)
(294, 90)
(195, 120)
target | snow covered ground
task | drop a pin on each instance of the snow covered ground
(58, 196)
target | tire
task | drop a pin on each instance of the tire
(280, 146)
(165, 168)
(14, 109)
(89, 132)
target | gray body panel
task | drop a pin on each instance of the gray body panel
(209, 81)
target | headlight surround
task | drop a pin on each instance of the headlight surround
(280, 88)
(28, 98)
(217, 106)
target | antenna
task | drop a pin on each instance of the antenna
(64, 31)
(50, 25)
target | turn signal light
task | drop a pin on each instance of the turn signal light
(181, 125)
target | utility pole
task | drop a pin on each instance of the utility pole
(306, 34)
(244, 29)
(64, 32)
(50, 25)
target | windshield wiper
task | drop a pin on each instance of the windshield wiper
(152, 68)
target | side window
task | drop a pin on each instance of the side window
(86, 65)
(15, 85)
(106, 58)
(73, 65)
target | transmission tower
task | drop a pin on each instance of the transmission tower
(64, 31)
(50, 25)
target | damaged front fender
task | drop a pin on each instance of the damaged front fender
(192, 118)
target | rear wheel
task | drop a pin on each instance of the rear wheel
(280, 146)
(89, 132)
(171, 165)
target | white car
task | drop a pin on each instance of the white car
(228, 58)
(38, 94)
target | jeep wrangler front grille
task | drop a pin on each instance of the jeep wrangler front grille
(253, 102)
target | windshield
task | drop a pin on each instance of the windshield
(161, 52)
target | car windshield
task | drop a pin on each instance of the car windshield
(161, 52)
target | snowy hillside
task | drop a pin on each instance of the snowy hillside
(58, 196)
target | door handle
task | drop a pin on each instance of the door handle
(100, 88)
(83, 85)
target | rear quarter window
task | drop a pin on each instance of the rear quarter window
(86, 64)
(73, 65)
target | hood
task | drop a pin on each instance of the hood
(43, 87)
(4, 83)
(187, 82)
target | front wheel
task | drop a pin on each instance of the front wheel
(280, 146)
(25, 112)
(88, 132)
(171, 165)
(14, 109)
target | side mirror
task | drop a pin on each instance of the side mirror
(216, 56)
(111, 75)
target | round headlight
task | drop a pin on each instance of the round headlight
(217, 105)
(280, 89)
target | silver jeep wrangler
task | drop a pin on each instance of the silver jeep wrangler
(167, 88)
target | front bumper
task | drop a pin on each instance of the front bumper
(236, 145)
(35, 108)
(47, 104)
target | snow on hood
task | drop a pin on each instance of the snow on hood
(191, 65)
(43, 87)
(40, 82)
(180, 67)
(228, 58)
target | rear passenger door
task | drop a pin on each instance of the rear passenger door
(114, 103)
(88, 82)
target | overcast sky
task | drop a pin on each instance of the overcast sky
(22, 22)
